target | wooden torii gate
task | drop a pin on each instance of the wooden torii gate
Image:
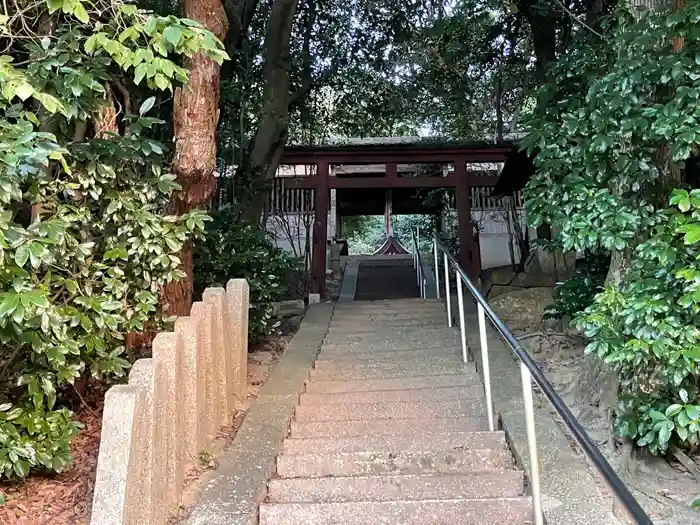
(457, 153)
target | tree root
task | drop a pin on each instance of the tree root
(575, 337)
(687, 463)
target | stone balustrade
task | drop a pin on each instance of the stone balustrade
(170, 410)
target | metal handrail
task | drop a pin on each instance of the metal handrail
(530, 371)
(418, 264)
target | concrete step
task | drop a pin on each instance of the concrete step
(404, 346)
(344, 355)
(387, 362)
(397, 340)
(352, 411)
(357, 331)
(369, 324)
(394, 396)
(319, 386)
(409, 309)
(389, 303)
(438, 313)
(505, 511)
(426, 333)
(386, 371)
(410, 442)
(378, 463)
(374, 355)
(394, 488)
(386, 427)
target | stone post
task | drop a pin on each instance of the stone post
(220, 357)
(204, 314)
(115, 501)
(187, 328)
(238, 297)
(150, 440)
(167, 349)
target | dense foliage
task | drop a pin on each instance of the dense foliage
(617, 122)
(577, 293)
(85, 244)
(647, 327)
(235, 249)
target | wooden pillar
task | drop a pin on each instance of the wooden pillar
(320, 230)
(388, 229)
(468, 251)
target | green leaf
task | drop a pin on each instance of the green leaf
(673, 410)
(656, 415)
(648, 438)
(54, 5)
(9, 304)
(37, 298)
(683, 393)
(24, 91)
(80, 12)
(21, 468)
(664, 435)
(36, 251)
(86, 323)
(139, 73)
(22, 255)
(147, 105)
(693, 412)
(91, 43)
(161, 81)
(173, 34)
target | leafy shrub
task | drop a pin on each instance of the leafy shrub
(648, 329)
(84, 244)
(233, 249)
(577, 293)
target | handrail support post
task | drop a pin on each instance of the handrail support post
(462, 328)
(447, 290)
(532, 444)
(486, 368)
(437, 269)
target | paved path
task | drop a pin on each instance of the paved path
(391, 430)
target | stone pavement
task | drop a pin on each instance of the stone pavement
(390, 430)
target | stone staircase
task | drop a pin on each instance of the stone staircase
(391, 430)
(389, 277)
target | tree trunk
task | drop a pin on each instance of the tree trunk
(195, 117)
(271, 135)
(105, 120)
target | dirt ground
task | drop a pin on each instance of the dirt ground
(664, 487)
(66, 499)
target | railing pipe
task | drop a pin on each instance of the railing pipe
(462, 329)
(437, 269)
(418, 238)
(447, 290)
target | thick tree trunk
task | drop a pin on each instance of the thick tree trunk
(195, 117)
(271, 135)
